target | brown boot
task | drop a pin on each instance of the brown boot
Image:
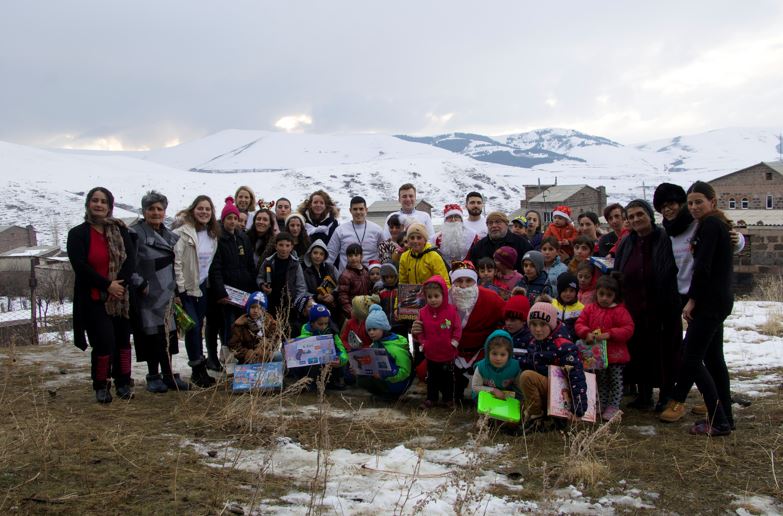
(699, 410)
(673, 412)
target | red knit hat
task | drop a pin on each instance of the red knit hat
(506, 255)
(229, 208)
(517, 307)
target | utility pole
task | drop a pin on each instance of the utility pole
(644, 190)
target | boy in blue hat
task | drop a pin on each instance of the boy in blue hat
(254, 337)
(319, 320)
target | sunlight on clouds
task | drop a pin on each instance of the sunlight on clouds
(172, 143)
(104, 143)
(551, 102)
(439, 119)
(726, 67)
(294, 123)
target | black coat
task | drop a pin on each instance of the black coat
(713, 266)
(487, 247)
(233, 265)
(86, 278)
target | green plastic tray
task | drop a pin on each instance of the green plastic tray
(504, 410)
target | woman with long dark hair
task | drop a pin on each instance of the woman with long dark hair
(102, 256)
(154, 329)
(193, 255)
(320, 215)
(710, 301)
(262, 233)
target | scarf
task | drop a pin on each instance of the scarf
(680, 223)
(117, 255)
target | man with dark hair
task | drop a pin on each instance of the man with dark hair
(358, 230)
(474, 204)
(407, 198)
(498, 235)
(614, 215)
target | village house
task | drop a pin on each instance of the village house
(544, 198)
(379, 210)
(12, 237)
(759, 187)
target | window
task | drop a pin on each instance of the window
(768, 176)
(744, 203)
(732, 203)
(770, 201)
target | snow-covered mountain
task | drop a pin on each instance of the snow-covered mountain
(45, 187)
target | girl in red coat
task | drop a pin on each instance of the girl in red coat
(608, 319)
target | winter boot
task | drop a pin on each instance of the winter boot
(213, 364)
(124, 391)
(199, 376)
(175, 383)
(103, 394)
(155, 384)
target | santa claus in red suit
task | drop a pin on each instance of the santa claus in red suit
(481, 313)
(454, 240)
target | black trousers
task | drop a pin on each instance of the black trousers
(110, 341)
(440, 380)
(703, 363)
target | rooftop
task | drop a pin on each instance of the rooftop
(557, 193)
(40, 251)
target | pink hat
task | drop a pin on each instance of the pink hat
(452, 209)
(543, 312)
(229, 208)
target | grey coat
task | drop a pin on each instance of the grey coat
(154, 271)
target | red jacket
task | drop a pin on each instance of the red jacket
(616, 321)
(352, 325)
(441, 326)
(486, 317)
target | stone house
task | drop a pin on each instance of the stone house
(379, 210)
(12, 237)
(580, 198)
(759, 187)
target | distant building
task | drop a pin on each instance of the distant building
(12, 237)
(580, 198)
(759, 187)
(380, 210)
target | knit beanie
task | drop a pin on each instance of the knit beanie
(497, 215)
(641, 203)
(388, 269)
(668, 192)
(376, 319)
(506, 256)
(256, 298)
(536, 258)
(562, 211)
(543, 312)
(417, 228)
(229, 208)
(517, 307)
(567, 280)
(317, 311)
(361, 305)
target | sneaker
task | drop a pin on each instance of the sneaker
(175, 383)
(155, 384)
(703, 427)
(641, 403)
(673, 412)
(124, 392)
(699, 410)
(426, 404)
(103, 395)
(611, 412)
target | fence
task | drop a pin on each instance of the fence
(35, 304)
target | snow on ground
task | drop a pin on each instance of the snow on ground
(746, 505)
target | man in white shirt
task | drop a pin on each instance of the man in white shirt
(358, 230)
(474, 203)
(406, 195)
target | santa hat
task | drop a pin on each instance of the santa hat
(452, 209)
(463, 269)
(229, 208)
(562, 211)
(374, 264)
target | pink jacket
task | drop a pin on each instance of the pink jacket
(616, 321)
(441, 326)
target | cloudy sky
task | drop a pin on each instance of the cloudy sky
(144, 74)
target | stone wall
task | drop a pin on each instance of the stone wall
(762, 256)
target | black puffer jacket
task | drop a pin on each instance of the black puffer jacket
(232, 265)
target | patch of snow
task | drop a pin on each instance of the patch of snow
(756, 504)
(648, 430)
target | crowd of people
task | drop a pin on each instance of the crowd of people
(501, 300)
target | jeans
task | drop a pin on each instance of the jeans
(196, 308)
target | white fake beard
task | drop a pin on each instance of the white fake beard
(464, 298)
(452, 241)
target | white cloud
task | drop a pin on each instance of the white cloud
(551, 101)
(439, 119)
(294, 123)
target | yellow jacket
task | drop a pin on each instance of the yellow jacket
(416, 268)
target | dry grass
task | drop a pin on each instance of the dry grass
(770, 288)
(773, 326)
(67, 454)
